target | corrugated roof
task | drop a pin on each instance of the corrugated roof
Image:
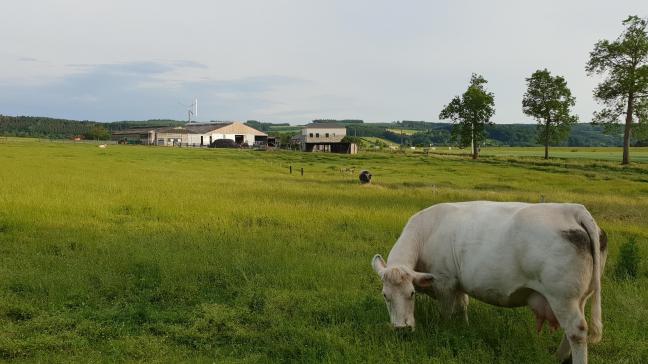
(325, 126)
(193, 129)
(132, 131)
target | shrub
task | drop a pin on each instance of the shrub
(629, 258)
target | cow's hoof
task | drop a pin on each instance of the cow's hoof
(567, 361)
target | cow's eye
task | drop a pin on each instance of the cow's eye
(412, 295)
(384, 295)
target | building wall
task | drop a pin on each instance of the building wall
(335, 134)
(194, 139)
(170, 139)
(226, 132)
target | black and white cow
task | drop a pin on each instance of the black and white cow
(547, 256)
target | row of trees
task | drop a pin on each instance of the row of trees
(623, 63)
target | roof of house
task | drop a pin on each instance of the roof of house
(228, 128)
(193, 129)
(325, 126)
(132, 131)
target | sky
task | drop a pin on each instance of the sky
(292, 60)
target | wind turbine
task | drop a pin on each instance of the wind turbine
(192, 110)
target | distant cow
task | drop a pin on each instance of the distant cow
(546, 256)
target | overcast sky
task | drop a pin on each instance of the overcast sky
(291, 61)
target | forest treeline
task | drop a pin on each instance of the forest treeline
(52, 128)
(415, 133)
(419, 133)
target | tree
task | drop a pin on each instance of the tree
(548, 100)
(97, 132)
(624, 89)
(470, 113)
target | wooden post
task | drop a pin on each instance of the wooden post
(290, 169)
(302, 171)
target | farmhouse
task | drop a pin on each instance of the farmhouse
(324, 137)
(194, 134)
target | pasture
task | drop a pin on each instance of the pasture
(399, 131)
(135, 253)
(612, 154)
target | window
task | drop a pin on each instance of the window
(327, 135)
(310, 135)
(316, 135)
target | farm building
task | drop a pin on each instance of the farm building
(324, 137)
(134, 136)
(193, 134)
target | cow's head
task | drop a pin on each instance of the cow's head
(399, 285)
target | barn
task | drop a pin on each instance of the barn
(194, 134)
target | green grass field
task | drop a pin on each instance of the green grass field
(612, 154)
(156, 254)
(404, 131)
(374, 140)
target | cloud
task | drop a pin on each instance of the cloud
(28, 59)
(190, 64)
(142, 90)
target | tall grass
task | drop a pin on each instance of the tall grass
(164, 254)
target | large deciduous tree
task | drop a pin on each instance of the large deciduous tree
(549, 100)
(470, 113)
(624, 89)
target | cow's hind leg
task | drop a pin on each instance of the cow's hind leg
(564, 350)
(563, 354)
(572, 320)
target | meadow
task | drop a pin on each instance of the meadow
(154, 254)
(612, 154)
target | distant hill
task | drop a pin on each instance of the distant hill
(514, 135)
(415, 133)
(44, 127)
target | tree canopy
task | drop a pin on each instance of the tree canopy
(470, 113)
(549, 101)
(624, 89)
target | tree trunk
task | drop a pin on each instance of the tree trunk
(627, 130)
(547, 139)
(474, 144)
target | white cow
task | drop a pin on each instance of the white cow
(547, 256)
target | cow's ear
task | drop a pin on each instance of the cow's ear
(378, 264)
(423, 280)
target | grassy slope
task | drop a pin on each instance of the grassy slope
(404, 131)
(165, 254)
(375, 139)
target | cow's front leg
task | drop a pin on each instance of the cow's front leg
(447, 303)
(461, 303)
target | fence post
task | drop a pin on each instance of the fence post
(302, 171)
(290, 169)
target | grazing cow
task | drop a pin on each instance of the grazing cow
(546, 256)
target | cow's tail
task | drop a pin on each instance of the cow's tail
(596, 325)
